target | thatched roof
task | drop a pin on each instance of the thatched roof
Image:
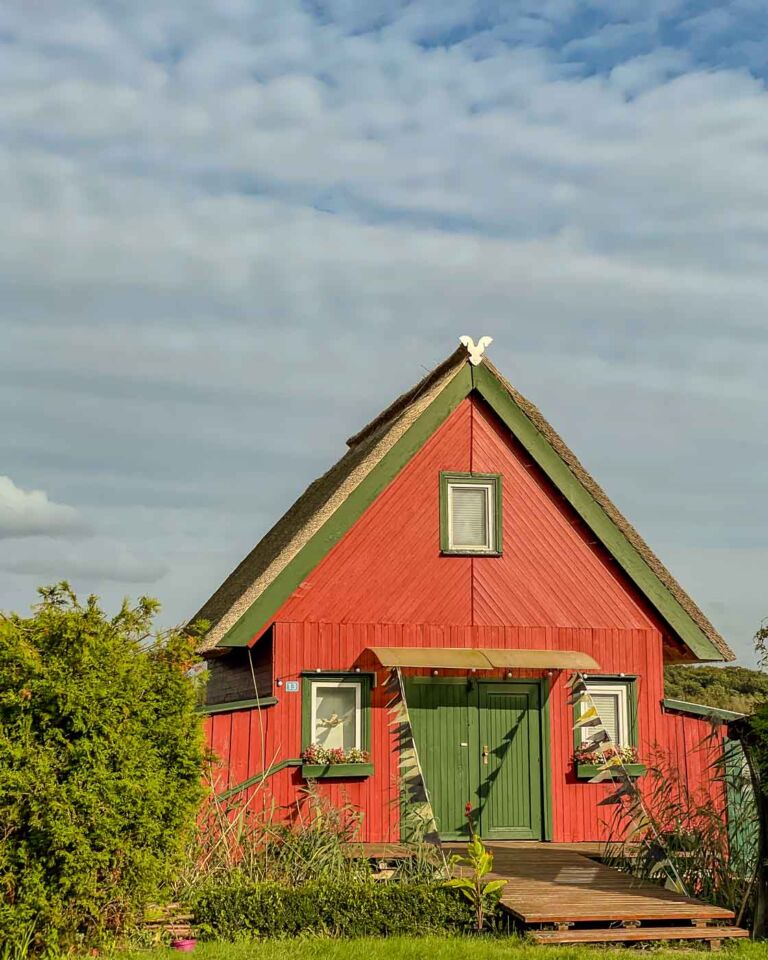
(366, 449)
(587, 480)
(318, 502)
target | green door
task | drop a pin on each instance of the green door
(510, 772)
(480, 742)
(442, 715)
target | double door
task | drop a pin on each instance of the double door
(480, 742)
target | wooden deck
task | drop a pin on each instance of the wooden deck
(556, 886)
(561, 896)
(561, 893)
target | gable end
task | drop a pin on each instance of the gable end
(247, 601)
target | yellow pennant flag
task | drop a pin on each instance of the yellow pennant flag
(589, 714)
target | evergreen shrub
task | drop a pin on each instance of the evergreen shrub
(240, 909)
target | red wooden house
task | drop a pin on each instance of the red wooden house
(460, 543)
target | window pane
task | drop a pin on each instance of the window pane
(335, 720)
(469, 516)
(607, 705)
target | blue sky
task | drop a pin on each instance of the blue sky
(230, 232)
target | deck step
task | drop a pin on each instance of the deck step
(625, 934)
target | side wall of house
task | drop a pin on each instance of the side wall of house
(693, 747)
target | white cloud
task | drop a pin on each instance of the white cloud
(29, 513)
(99, 561)
(229, 234)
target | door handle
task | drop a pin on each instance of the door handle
(485, 755)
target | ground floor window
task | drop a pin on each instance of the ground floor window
(336, 712)
(614, 701)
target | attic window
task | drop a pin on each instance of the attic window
(470, 513)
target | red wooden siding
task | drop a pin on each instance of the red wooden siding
(388, 567)
(319, 646)
(695, 748)
(552, 572)
(249, 742)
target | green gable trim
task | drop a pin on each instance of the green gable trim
(558, 471)
(232, 705)
(274, 596)
(701, 710)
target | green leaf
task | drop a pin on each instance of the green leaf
(460, 883)
(494, 886)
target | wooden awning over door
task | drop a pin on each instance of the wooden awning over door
(470, 658)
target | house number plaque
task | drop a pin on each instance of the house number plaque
(291, 686)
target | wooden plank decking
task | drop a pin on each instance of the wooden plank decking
(559, 886)
(559, 894)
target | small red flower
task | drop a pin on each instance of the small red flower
(468, 808)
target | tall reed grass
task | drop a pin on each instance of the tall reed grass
(248, 836)
(709, 847)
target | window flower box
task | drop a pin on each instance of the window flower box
(331, 771)
(585, 771)
(335, 763)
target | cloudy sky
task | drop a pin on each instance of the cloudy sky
(232, 230)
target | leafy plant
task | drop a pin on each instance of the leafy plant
(481, 893)
(729, 688)
(101, 756)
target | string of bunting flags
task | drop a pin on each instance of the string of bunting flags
(414, 786)
(613, 768)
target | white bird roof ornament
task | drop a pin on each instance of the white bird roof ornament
(475, 350)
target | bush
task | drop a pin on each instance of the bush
(240, 909)
(101, 757)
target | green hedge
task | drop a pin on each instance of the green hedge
(233, 911)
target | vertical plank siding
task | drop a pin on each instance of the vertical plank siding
(388, 567)
(386, 584)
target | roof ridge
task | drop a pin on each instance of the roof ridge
(405, 399)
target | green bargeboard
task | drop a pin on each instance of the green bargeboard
(452, 723)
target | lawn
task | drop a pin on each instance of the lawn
(433, 948)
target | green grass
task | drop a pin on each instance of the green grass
(433, 948)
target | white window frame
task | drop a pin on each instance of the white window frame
(489, 487)
(623, 719)
(335, 684)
